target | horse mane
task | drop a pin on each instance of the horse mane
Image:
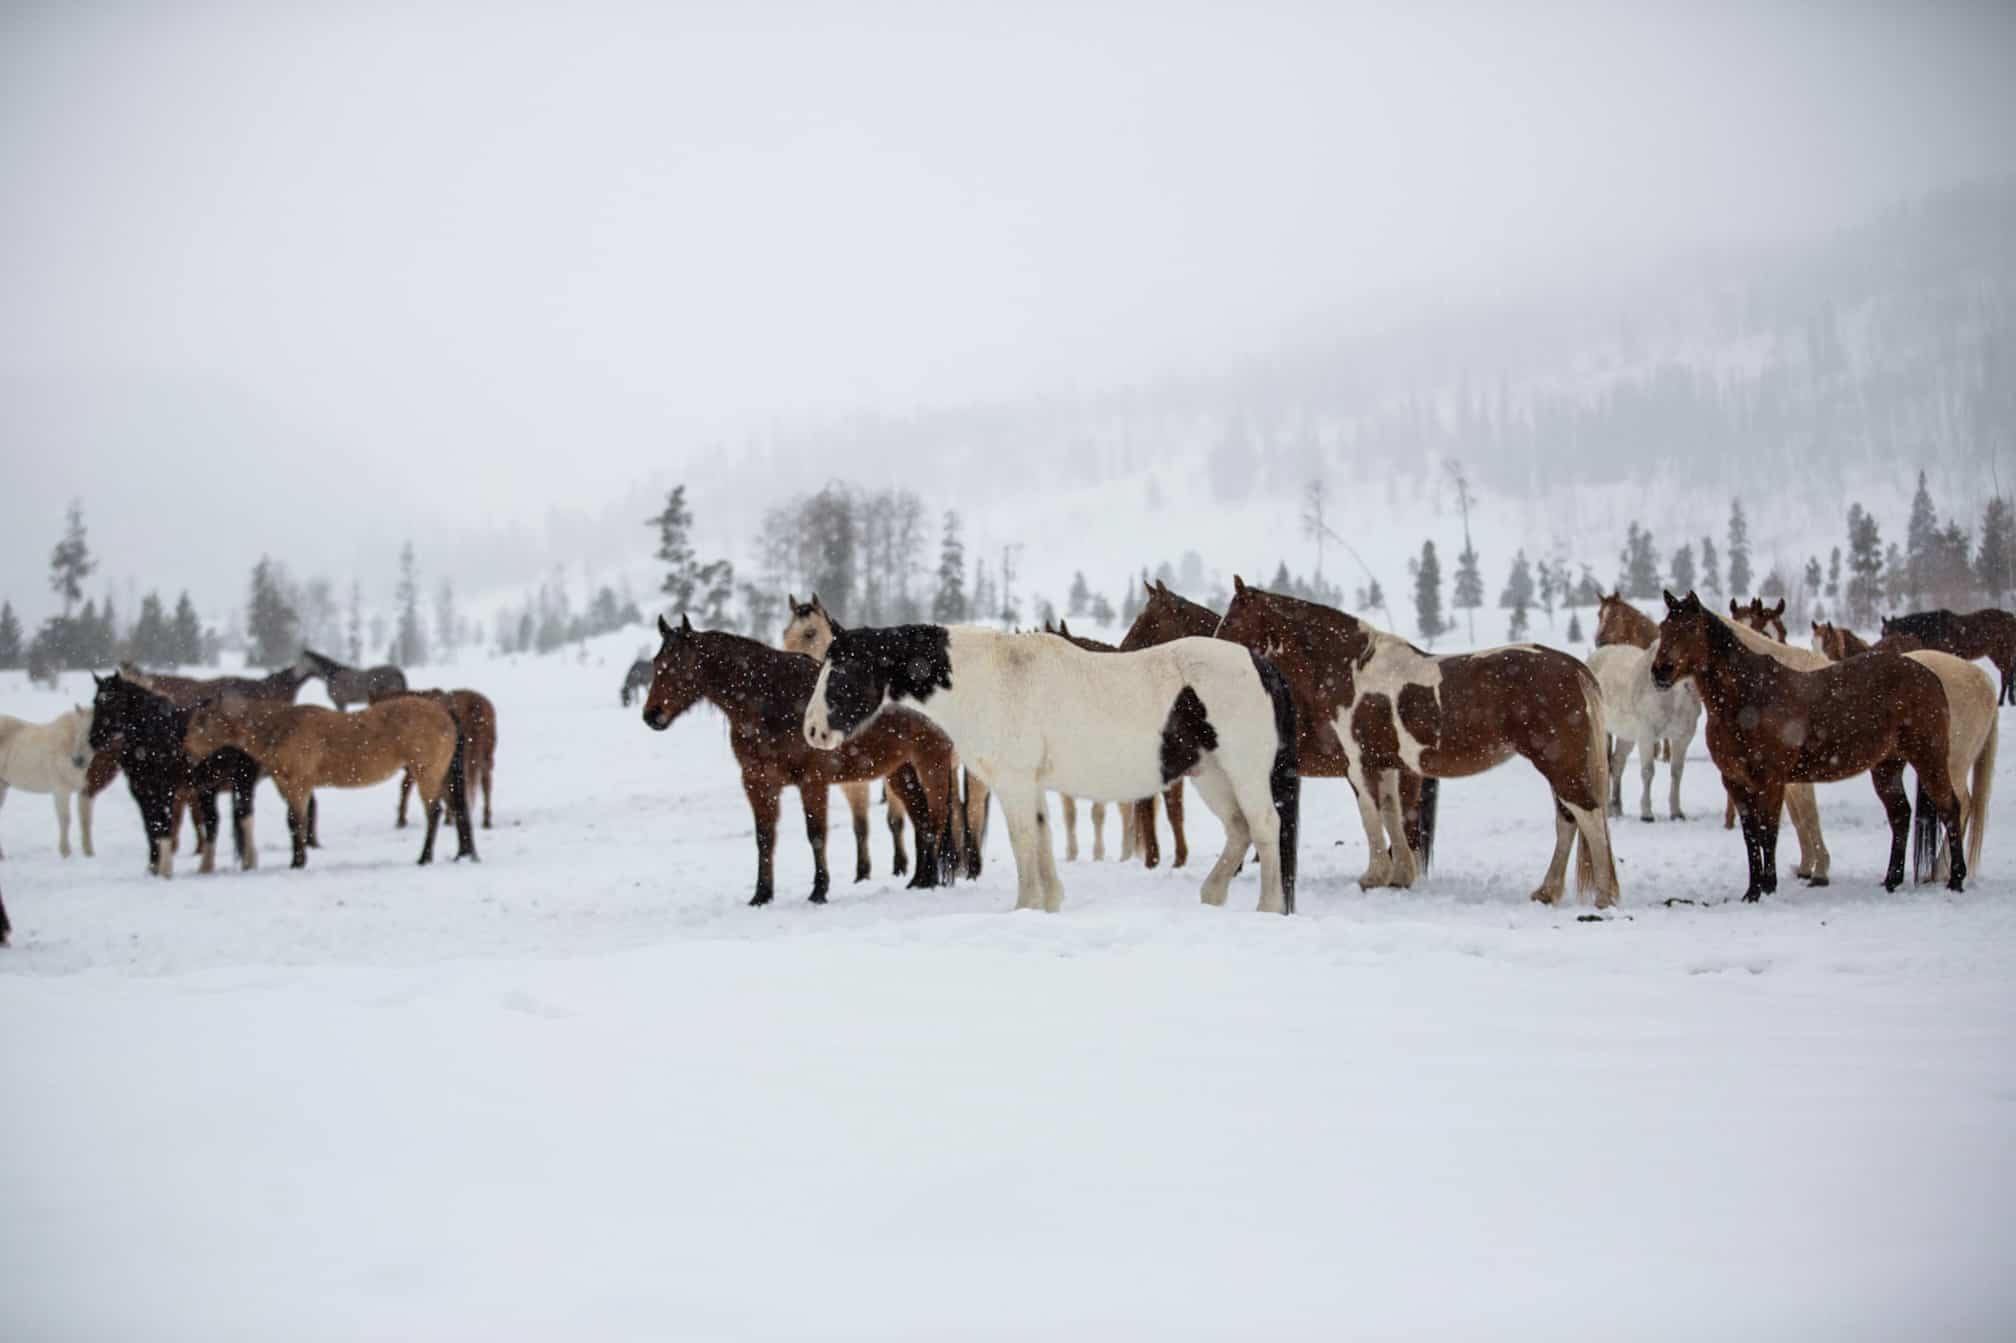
(1295, 615)
(776, 669)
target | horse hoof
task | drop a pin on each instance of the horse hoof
(1679, 815)
(1647, 819)
(816, 898)
(1955, 885)
(1752, 897)
(760, 898)
(1543, 896)
(1891, 886)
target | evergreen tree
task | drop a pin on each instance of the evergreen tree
(152, 642)
(70, 563)
(1865, 567)
(1427, 572)
(1574, 627)
(1375, 596)
(1079, 600)
(1948, 574)
(270, 623)
(832, 526)
(716, 585)
(1896, 575)
(1711, 567)
(446, 631)
(1683, 569)
(1814, 578)
(1920, 540)
(1995, 556)
(1834, 575)
(1519, 591)
(1550, 589)
(675, 548)
(354, 628)
(948, 604)
(11, 651)
(1515, 630)
(1641, 565)
(1102, 610)
(185, 635)
(761, 609)
(1469, 594)
(409, 645)
(1739, 550)
(1773, 585)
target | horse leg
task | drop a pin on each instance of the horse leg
(1648, 765)
(62, 801)
(973, 813)
(1144, 833)
(906, 791)
(489, 772)
(205, 809)
(1551, 885)
(1254, 798)
(856, 795)
(1172, 802)
(314, 825)
(1216, 790)
(894, 809)
(1128, 830)
(405, 791)
(1888, 776)
(813, 798)
(1402, 857)
(1804, 809)
(1021, 808)
(1099, 833)
(1046, 860)
(432, 807)
(1620, 751)
(1750, 808)
(1729, 810)
(85, 803)
(1676, 765)
(175, 826)
(1378, 862)
(164, 813)
(763, 793)
(241, 822)
(1069, 806)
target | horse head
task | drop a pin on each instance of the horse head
(810, 629)
(677, 674)
(1682, 648)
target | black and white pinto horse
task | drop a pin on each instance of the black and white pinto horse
(1032, 714)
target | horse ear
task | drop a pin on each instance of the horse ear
(97, 680)
(1672, 602)
(791, 600)
(685, 623)
(1779, 609)
(1816, 627)
(664, 628)
(1238, 584)
(1064, 627)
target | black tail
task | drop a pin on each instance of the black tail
(1285, 779)
(458, 793)
(949, 857)
(6, 928)
(1431, 797)
(1925, 827)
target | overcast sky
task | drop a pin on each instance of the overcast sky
(299, 278)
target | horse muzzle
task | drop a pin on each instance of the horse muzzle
(1662, 677)
(657, 719)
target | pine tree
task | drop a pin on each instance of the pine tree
(151, 642)
(1375, 596)
(11, 651)
(1574, 627)
(1772, 586)
(716, 587)
(1469, 593)
(1427, 572)
(1102, 610)
(1515, 630)
(270, 623)
(1896, 575)
(1683, 569)
(1079, 600)
(1711, 567)
(70, 563)
(446, 634)
(1519, 590)
(1640, 559)
(409, 645)
(1995, 556)
(1834, 575)
(1739, 550)
(948, 604)
(1920, 540)
(832, 526)
(1814, 578)
(185, 635)
(675, 548)
(1865, 567)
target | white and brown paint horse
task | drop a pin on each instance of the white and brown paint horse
(1639, 714)
(1031, 714)
(1068, 804)
(1394, 706)
(810, 631)
(51, 758)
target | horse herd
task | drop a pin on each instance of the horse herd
(1241, 704)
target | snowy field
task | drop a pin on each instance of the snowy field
(582, 1091)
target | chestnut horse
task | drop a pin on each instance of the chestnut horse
(1836, 642)
(810, 631)
(476, 716)
(1988, 633)
(1769, 725)
(350, 685)
(1395, 707)
(305, 746)
(1767, 620)
(146, 728)
(764, 691)
(1619, 622)
(1751, 628)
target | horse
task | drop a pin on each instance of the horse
(1750, 626)
(305, 747)
(1988, 633)
(1619, 622)
(1769, 725)
(764, 692)
(476, 717)
(1393, 706)
(1639, 714)
(1971, 744)
(350, 685)
(146, 728)
(53, 758)
(1766, 620)
(637, 680)
(1031, 713)
(810, 631)
(1069, 804)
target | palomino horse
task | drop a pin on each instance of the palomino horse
(304, 747)
(350, 685)
(1988, 633)
(1767, 620)
(476, 717)
(1971, 744)
(810, 631)
(1393, 706)
(53, 758)
(1657, 722)
(1032, 714)
(764, 691)
(1769, 725)
(146, 728)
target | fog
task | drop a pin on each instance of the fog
(312, 282)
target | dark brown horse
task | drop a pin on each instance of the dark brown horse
(1770, 726)
(1988, 633)
(764, 692)
(350, 685)
(476, 716)
(146, 729)
(1389, 706)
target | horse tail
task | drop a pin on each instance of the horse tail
(458, 787)
(1587, 872)
(1284, 780)
(974, 833)
(5, 927)
(1924, 833)
(1431, 798)
(1983, 783)
(948, 858)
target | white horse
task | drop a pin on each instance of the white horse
(1031, 713)
(1638, 713)
(50, 758)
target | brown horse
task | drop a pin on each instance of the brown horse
(1988, 633)
(1391, 706)
(764, 693)
(1769, 726)
(1837, 642)
(350, 685)
(1767, 620)
(1619, 622)
(305, 747)
(1164, 618)
(476, 716)
(1753, 624)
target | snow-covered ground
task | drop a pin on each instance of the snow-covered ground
(581, 1090)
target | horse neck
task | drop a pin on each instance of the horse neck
(1733, 667)
(733, 679)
